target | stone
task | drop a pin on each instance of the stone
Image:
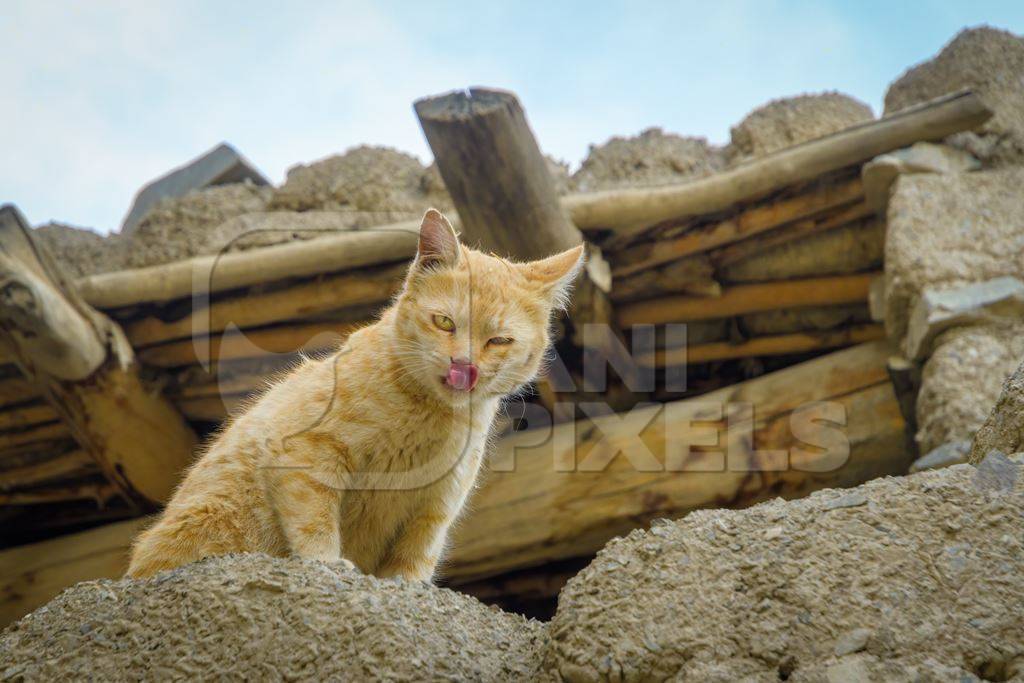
(962, 379)
(879, 174)
(946, 455)
(999, 300)
(852, 641)
(222, 165)
(996, 473)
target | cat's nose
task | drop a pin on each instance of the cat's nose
(462, 374)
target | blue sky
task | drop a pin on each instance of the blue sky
(100, 97)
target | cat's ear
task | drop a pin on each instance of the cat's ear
(555, 274)
(439, 244)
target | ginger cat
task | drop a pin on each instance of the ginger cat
(367, 456)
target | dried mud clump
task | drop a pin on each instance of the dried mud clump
(789, 121)
(380, 183)
(988, 61)
(651, 158)
(253, 617)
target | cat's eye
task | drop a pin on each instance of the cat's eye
(445, 323)
(500, 341)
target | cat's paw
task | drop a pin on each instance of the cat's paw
(343, 564)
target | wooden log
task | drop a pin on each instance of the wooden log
(27, 415)
(31, 575)
(15, 389)
(630, 211)
(534, 513)
(249, 344)
(299, 300)
(753, 298)
(82, 363)
(219, 273)
(71, 464)
(98, 492)
(752, 221)
(39, 434)
(755, 246)
(775, 345)
(495, 173)
(695, 274)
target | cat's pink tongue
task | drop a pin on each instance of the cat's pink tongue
(462, 376)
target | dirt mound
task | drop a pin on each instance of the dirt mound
(1004, 428)
(252, 617)
(901, 579)
(950, 230)
(79, 250)
(989, 62)
(789, 121)
(651, 158)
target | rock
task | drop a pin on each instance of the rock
(222, 165)
(962, 380)
(795, 609)
(879, 174)
(651, 158)
(989, 62)
(1000, 300)
(255, 617)
(946, 231)
(789, 121)
(852, 641)
(1003, 429)
(996, 472)
(946, 455)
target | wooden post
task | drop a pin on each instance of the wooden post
(83, 365)
(496, 174)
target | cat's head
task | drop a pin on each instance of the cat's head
(471, 323)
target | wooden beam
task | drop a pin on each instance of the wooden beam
(747, 223)
(98, 492)
(85, 368)
(776, 345)
(753, 298)
(27, 415)
(535, 514)
(218, 273)
(249, 344)
(71, 464)
(633, 210)
(31, 575)
(695, 274)
(303, 299)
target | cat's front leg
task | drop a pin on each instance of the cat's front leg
(309, 514)
(418, 549)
